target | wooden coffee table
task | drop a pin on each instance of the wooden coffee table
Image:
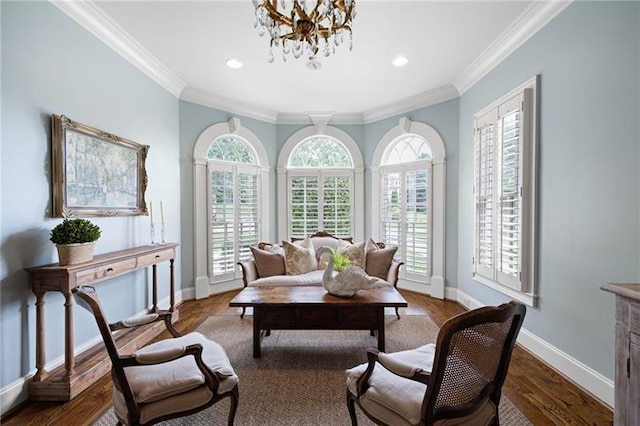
(312, 308)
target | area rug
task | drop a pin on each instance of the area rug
(300, 380)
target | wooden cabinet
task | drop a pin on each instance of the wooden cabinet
(82, 370)
(627, 362)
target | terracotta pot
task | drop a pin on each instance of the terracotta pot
(71, 254)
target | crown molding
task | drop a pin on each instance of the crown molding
(422, 100)
(205, 98)
(530, 21)
(307, 118)
(90, 17)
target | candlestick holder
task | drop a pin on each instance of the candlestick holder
(162, 232)
(152, 233)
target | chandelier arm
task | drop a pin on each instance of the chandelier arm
(276, 15)
(314, 13)
(347, 17)
(300, 10)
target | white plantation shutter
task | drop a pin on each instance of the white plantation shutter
(304, 199)
(504, 195)
(484, 191)
(405, 215)
(322, 201)
(416, 239)
(222, 222)
(336, 205)
(392, 215)
(509, 237)
(248, 218)
(235, 218)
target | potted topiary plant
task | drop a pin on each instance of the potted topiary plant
(75, 240)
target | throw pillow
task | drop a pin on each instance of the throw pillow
(356, 254)
(379, 261)
(299, 258)
(269, 261)
(371, 245)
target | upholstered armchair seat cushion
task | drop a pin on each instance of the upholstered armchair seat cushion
(397, 400)
(392, 399)
(151, 383)
(165, 407)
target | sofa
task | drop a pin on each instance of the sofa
(294, 263)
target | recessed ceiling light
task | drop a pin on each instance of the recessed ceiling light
(234, 63)
(314, 65)
(400, 61)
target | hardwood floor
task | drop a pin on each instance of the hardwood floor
(543, 395)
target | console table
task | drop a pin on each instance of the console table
(68, 380)
(627, 353)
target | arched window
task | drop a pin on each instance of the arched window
(318, 186)
(408, 202)
(234, 181)
(231, 172)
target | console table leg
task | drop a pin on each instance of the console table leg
(69, 361)
(41, 373)
(154, 280)
(172, 292)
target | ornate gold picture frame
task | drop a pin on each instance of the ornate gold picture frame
(96, 173)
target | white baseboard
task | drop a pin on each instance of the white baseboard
(414, 286)
(223, 287)
(582, 375)
(14, 394)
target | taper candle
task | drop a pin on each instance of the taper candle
(161, 212)
(151, 212)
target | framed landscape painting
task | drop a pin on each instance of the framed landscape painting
(96, 173)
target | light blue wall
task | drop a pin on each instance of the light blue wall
(588, 59)
(51, 65)
(194, 119)
(589, 205)
(443, 118)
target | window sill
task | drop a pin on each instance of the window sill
(526, 298)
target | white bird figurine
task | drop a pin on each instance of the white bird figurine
(345, 283)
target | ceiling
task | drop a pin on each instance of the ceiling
(184, 46)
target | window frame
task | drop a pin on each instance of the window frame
(203, 284)
(523, 99)
(357, 174)
(402, 169)
(236, 169)
(435, 283)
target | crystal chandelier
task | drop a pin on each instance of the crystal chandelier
(308, 27)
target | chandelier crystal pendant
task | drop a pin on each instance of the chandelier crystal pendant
(306, 27)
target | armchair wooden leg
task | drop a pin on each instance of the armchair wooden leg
(351, 405)
(234, 405)
(242, 314)
(397, 314)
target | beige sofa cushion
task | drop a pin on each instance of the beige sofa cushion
(356, 254)
(379, 261)
(310, 278)
(269, 261)
(299, 257)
